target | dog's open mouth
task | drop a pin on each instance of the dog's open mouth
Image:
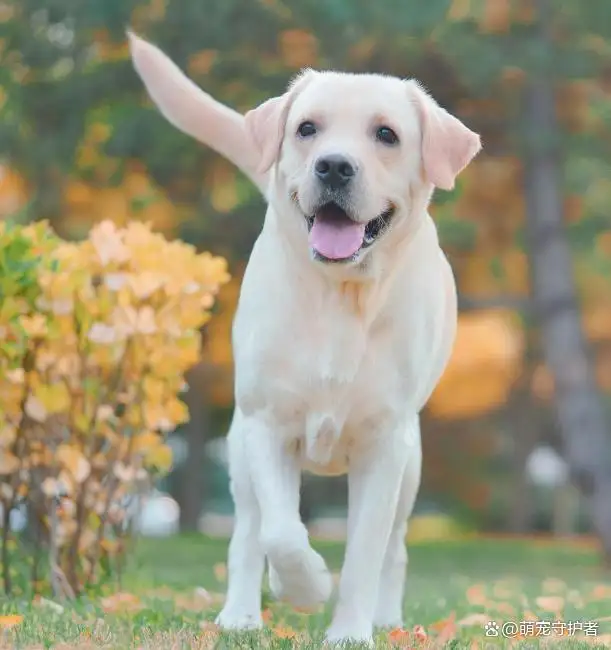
(335, 237)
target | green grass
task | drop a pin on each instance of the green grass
(164, 574)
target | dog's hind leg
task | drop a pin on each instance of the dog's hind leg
(246, 562)
(298, 574)
(389, 608)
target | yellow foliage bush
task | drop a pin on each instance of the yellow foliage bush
(96, 338)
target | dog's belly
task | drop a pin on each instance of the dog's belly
(336, 423)
(324, 421)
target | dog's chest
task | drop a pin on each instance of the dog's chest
(333, 344)
(319, 369)
(338, 377)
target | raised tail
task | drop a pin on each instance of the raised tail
(195, 112)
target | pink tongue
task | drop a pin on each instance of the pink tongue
(336, 238)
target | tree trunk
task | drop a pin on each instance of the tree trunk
(582, 423)
(192, 480)
(525, 433)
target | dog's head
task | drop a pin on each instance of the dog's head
(355, 156)
(351, 154)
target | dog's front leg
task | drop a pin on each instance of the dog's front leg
(389, 610)
(374, 480)
(297, 573)
(246, 560)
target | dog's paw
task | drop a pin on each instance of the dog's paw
(301, 579)
(349, 628)
(298, 574)
(234, 620)
(340, 637)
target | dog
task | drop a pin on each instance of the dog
(345, 322)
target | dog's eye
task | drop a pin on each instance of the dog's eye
(306, 129)
(386, 135)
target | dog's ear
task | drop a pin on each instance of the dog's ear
(266, 123)
(448, 146)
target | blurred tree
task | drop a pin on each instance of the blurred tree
(545, 63)
(191, 493)
(582, 420)
(79, 140)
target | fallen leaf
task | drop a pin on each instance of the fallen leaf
(601, 592)
(121, 601)
(474, 619)
(550, 603)
(502, 592)
(202, 593)
(209, 629)
(554, 585)
(199, 600)
(284, 632)
(447, 630)
(441, 624)
(399, 637)
(220, 571)
(504, 608)
(476, 595)
(419, 633)
(10, 620)
(161, 592)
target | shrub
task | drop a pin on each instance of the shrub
(96, 338)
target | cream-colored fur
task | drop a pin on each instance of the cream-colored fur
(333, 361)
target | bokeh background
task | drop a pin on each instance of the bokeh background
(524, 404)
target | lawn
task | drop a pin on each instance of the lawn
(173, 588)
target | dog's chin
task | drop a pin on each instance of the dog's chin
(354, 239)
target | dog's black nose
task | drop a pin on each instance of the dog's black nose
(334, 171)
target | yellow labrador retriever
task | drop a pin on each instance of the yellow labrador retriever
(345, 322)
